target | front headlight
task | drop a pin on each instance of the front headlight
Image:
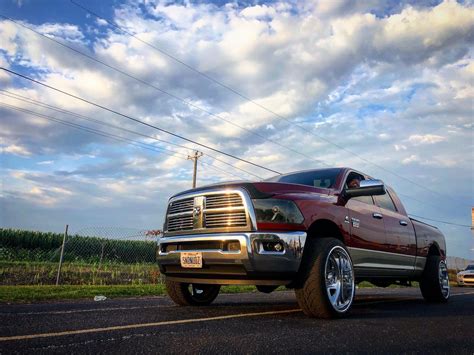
(273, 210)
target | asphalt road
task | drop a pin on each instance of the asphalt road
(382, 320)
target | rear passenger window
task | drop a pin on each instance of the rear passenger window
(385, 201)
(324, 183)
(365, 199)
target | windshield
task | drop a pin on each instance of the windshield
(324, 178)
(470, 267)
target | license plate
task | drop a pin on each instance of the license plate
(191, 260)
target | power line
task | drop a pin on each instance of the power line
(94, 131)
(111, 136)
(245, 97)
(74, 114)
(186, 102)
(437, 220)
(137, 120)
(219, 117)
(210, 113)
(218, 169)
(157, 149)
(418, 201)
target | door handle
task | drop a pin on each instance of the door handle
(377, 215)
(403, 223)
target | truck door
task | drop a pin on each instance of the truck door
(400, 236)
(367, 236)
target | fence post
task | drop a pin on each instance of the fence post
(102, 254)
(62, 254)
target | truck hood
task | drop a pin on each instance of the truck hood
(262, 189)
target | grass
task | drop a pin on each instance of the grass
(77, 273)
(22, 294)
(41, 293)
(29, 294)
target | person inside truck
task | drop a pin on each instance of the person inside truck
(354, 182)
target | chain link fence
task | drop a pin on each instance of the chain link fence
(90, 256)
(458, 264)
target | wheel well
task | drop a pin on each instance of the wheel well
(434, 250)
(325, 228)
(322, 228)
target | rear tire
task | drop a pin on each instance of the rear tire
(266, 289)
(434, 283)
(185, 294)
(328, 287)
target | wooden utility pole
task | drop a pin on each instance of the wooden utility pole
(195, 158)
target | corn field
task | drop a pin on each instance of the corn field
(92, 256)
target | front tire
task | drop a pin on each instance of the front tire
(434, 283)
(185, 294)
(328, 285)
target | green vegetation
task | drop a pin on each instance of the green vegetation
(19, 245)
(21, 239)
(21, 294)
(77, 273)
(17, 294)
(31, 258)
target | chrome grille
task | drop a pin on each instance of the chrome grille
(223, 201)
(210, 211)
(181, 206)
(222, 220)
(177, 223)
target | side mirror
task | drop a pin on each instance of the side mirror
(367, 188)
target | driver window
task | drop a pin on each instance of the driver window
(353, 180)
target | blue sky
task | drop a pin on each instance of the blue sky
(389, 81)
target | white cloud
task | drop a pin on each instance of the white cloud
(411, 159)
(410, 35)
(258, 11)
(399, 147)
(46, 162)
(16, 150)
(417, 139)
(101, 22)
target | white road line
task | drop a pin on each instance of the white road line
(401, 299)
(461, 294)
(81, 310)
(174, 322)
(143, 325)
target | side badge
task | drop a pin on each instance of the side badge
(355, 222)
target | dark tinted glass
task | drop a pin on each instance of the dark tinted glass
(385, 201)
(316, 178)
(470, 267)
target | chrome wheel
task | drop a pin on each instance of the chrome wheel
(443, 279)
(339, 277)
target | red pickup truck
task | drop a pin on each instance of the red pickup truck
(319, 232)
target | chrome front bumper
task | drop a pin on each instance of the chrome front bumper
(251, 264)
